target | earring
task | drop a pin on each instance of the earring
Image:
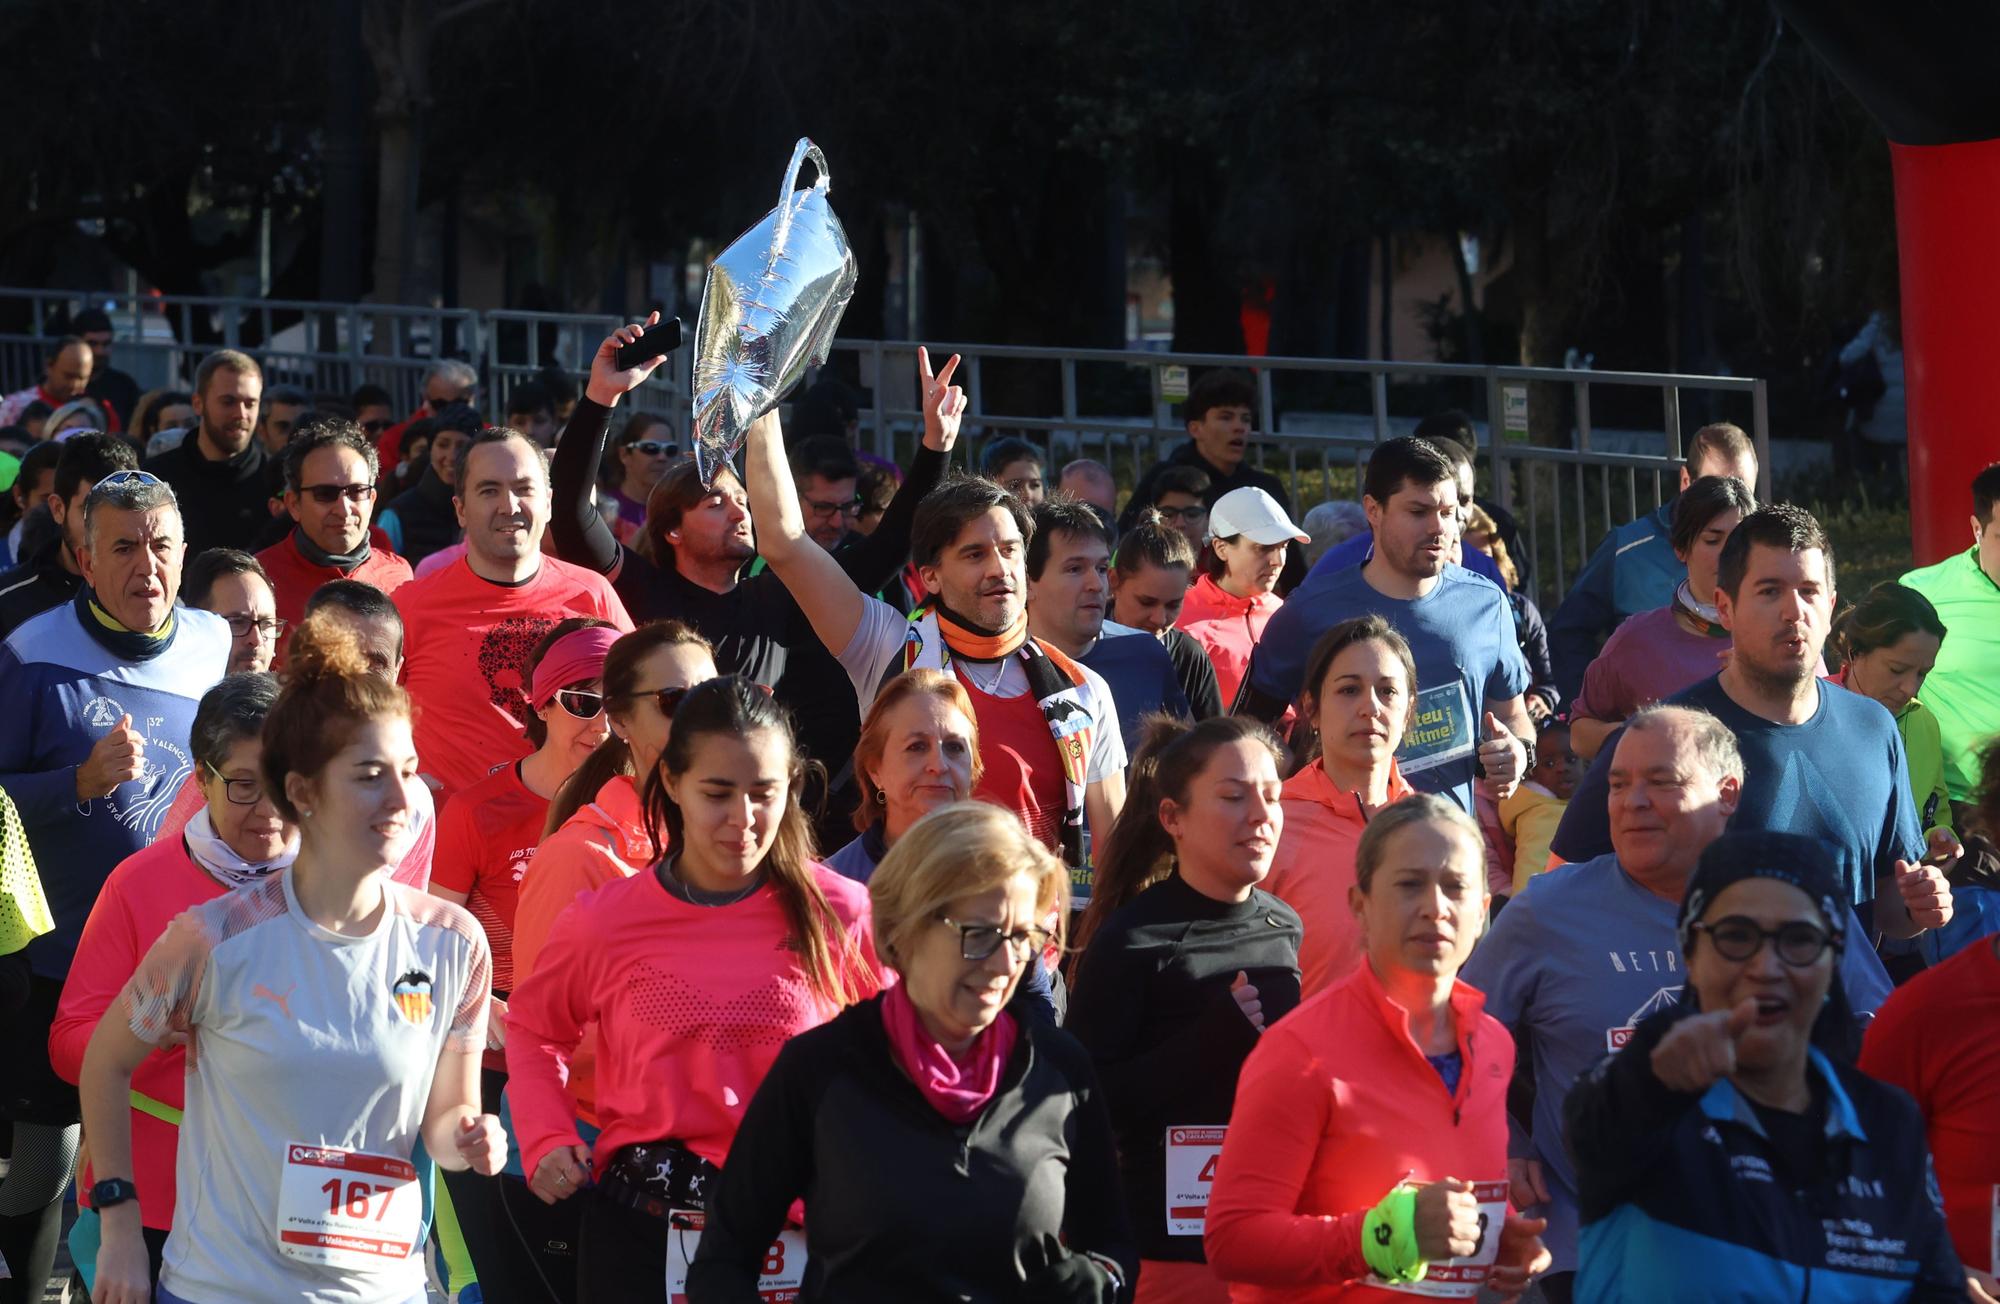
(881, 798)
(305, 814)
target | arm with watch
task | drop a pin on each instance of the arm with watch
(1506, 749)
(114, 1054)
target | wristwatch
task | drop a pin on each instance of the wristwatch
(112, 1191)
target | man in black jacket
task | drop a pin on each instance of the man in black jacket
(48, 575)
(218, 473)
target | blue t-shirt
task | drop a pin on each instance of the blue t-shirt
(1841, 777)
(1571, 966)
(1462, 636)
(1357, 550)
(1142, 678)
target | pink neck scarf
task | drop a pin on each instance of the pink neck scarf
(957, 1091)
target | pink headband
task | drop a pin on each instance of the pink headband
(575, 658)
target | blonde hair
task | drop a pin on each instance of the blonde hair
(957, 851)
(1479, 521)
(875, 731)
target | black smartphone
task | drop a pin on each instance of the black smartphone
(657, 342)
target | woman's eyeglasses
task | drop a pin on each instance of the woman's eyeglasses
(241, 792)
(580, 702)
(653, 448)
(980, 941)
(1799, 944)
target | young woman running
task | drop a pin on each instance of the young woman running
(335, 1019)
(1185, 964)
(695, 973)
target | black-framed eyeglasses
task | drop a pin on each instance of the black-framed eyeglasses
(1799, 944)
(326, 495)
(241, 792)
(653, 448)
(240, 625)
(980, 941)
(823, 507)
(1182, 515)
(580, 702)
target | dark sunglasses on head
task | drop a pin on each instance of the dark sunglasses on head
(1737, 938)
(580, 702)
(326, 495)
(653, 448)
(669, 699)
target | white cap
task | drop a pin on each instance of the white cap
(1255, 515)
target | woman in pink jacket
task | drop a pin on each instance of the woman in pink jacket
(1360, 689)
(1227, 608)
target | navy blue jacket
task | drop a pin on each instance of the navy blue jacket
(1683, 1197)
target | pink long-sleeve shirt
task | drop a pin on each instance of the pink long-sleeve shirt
(691, 1004)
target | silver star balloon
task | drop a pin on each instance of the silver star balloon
(768, 313)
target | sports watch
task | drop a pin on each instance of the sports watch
(112, 1191)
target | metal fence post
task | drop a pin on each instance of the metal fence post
(1760, 434)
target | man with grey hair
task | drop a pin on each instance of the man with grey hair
(1331, 524)
(1089, 481)
(1576, 960)
(101, 694)
(218, 471)
(448, 382)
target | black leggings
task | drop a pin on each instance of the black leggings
(541, 1247)
(623, 1253)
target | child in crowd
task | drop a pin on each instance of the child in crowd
(1531, 815)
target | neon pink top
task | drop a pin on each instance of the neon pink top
(691, 1004)
(147, 891)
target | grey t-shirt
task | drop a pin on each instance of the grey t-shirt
(300, 1037)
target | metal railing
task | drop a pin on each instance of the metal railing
(1565, 497)
(1603, 451)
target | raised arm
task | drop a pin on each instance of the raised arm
(873, 561)
(581, 535)
(831, 601)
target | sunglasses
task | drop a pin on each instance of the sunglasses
(377, 426)
(580, 702)
(117, 478)
(669, 699)
(1736, 938)
(653, 448)
(326, 495)
(440, 404)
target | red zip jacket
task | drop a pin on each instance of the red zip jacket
(1336, 1106)
(144, 894)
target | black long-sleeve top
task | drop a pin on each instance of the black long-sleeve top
(1152, 1006)
(900, 1203)
(757, 628)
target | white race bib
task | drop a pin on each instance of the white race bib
(348, 1209)
(1191, 1156)
(778, 1281)
(1462, 1278)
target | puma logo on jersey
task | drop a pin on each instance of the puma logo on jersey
(282, 1000)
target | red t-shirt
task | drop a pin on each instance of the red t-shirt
(1023, 772)
(465, 639)
(1934, 1038)
(486, 836)
(295, 579)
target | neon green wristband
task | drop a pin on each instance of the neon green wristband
(1389, 1237)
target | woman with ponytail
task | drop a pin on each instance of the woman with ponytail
(695, 973)
(1185, 962)
(334, 1020)
(595, 830)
